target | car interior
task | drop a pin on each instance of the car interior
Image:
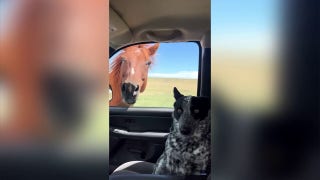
(137, 135)
(263, 145)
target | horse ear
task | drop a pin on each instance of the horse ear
(153, 49)
(176, 93)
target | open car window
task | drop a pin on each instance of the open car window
(143, 75)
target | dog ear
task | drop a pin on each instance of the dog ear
(176, 93)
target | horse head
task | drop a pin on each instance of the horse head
(134, 63)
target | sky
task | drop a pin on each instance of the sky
(245, 26)
(175, 60)
(178, 60)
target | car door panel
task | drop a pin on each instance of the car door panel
(141, 119)
(137, 134)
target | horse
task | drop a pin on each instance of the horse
(129, 74)
(36, 43)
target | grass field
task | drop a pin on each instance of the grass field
(243, 85)
(246, 84)
(159, 91)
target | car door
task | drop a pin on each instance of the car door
(139, 133)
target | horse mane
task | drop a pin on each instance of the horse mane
(115, 69)
(115, 78)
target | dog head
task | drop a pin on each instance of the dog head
(191, 115)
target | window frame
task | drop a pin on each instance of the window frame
(113, 51)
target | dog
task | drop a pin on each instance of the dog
(187, 148)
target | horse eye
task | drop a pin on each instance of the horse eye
(196, 111)
(143, 79)
(148, 63)
(179, 110)
(123, 60)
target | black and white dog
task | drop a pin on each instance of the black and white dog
(187, 148)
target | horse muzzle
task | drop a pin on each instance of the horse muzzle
(129, 93)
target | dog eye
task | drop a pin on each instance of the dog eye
(196, 111)
(179, 111)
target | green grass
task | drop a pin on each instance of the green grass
(159, 91)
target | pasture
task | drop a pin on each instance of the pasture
(159, 91)
(243, 85)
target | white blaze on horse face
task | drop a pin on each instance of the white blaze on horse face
(132, 71)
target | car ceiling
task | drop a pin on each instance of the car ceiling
(133, 21)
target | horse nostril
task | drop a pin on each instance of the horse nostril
(137, 88)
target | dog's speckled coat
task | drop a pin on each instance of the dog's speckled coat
(187, 149)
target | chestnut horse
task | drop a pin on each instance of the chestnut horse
(129, 74)
(37, 40)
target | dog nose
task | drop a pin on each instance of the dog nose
(185, 131)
